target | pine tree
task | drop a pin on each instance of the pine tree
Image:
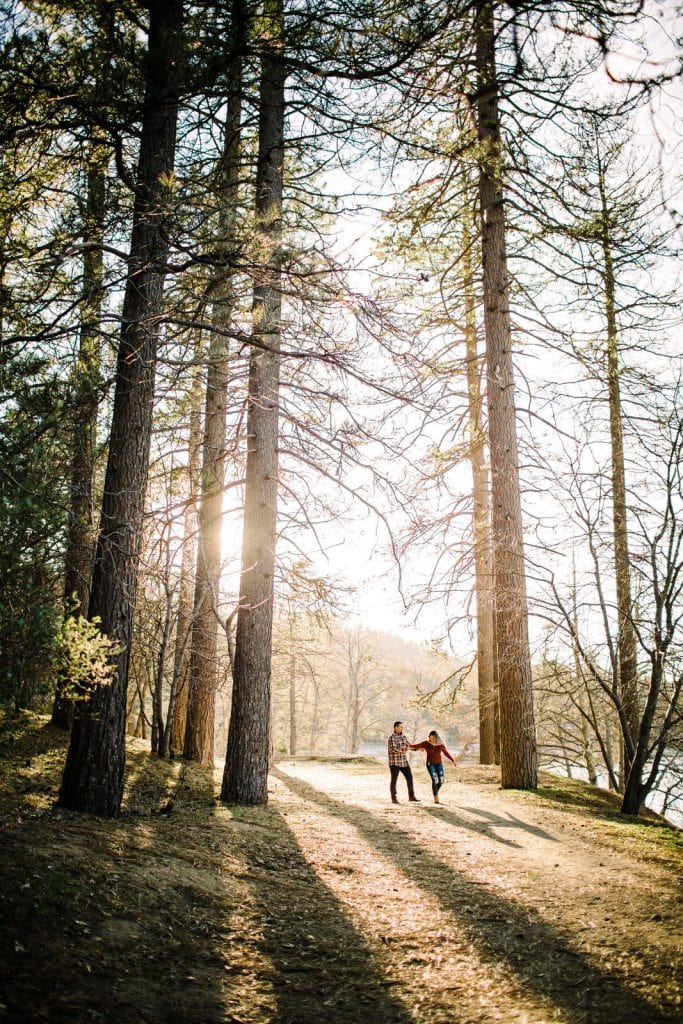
(517, 732)
(93, 775)
(199, 729)
(246, 765)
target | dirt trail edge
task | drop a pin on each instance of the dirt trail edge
(331, 903)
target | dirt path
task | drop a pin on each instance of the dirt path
(333, 905)
(489, 908)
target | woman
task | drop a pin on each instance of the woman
(434, 748)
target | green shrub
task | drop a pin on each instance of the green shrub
(84, 657)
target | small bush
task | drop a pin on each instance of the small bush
(84, 657)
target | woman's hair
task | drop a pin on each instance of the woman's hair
(436, 736)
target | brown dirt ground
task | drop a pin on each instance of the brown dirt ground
(330, 904)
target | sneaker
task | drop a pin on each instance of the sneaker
(414, 800)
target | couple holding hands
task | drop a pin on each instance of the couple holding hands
(398, 747)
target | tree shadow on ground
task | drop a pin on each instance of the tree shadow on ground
(440, 813)
(322, 968)
(498, 821)
(542, 957)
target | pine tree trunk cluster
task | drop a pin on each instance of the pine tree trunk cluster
(93, 775)
(198, 232)
(203, 676)
(246, 765)
(180, 682)
(78, 559)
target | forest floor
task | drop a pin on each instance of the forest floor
(330, 905)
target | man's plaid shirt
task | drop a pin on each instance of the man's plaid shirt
(397, 747)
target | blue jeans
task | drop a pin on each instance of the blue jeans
(436, 772)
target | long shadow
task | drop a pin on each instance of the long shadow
(485, 827)
(323, 970)
(440, 813)
(541, 957)
(498, 821)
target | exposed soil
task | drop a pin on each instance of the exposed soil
(331, 904)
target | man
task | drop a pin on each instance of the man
(398, 762)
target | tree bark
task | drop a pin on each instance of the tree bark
(201, 707)
(93, 775)
(81, 535)
(635, 791)
(481, 524)
(517, 730)
(496, 676)
(626, 636)
(246, 766)
(588, 753)
(177, 709)
(158, 726)
(292, 707)
(315, 715)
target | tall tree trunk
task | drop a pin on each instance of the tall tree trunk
(583, 691)
(292, 706)
(81, 536)
(201, 707)
(245, 779)
(177, 710)
(517, 730)
(138, 728)
(588, 753)
(93, 775)
(159, 728)
(355, 720)
(496, 676)
(626, 636)
(616, 783)
(315, 715)
(481, 524)
(635, 791)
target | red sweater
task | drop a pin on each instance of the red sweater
(434, 751)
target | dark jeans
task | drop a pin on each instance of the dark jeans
(404, 770)
(436, 772)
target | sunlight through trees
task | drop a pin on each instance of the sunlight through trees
(306, 308)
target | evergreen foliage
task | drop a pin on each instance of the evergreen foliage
(33, 493)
